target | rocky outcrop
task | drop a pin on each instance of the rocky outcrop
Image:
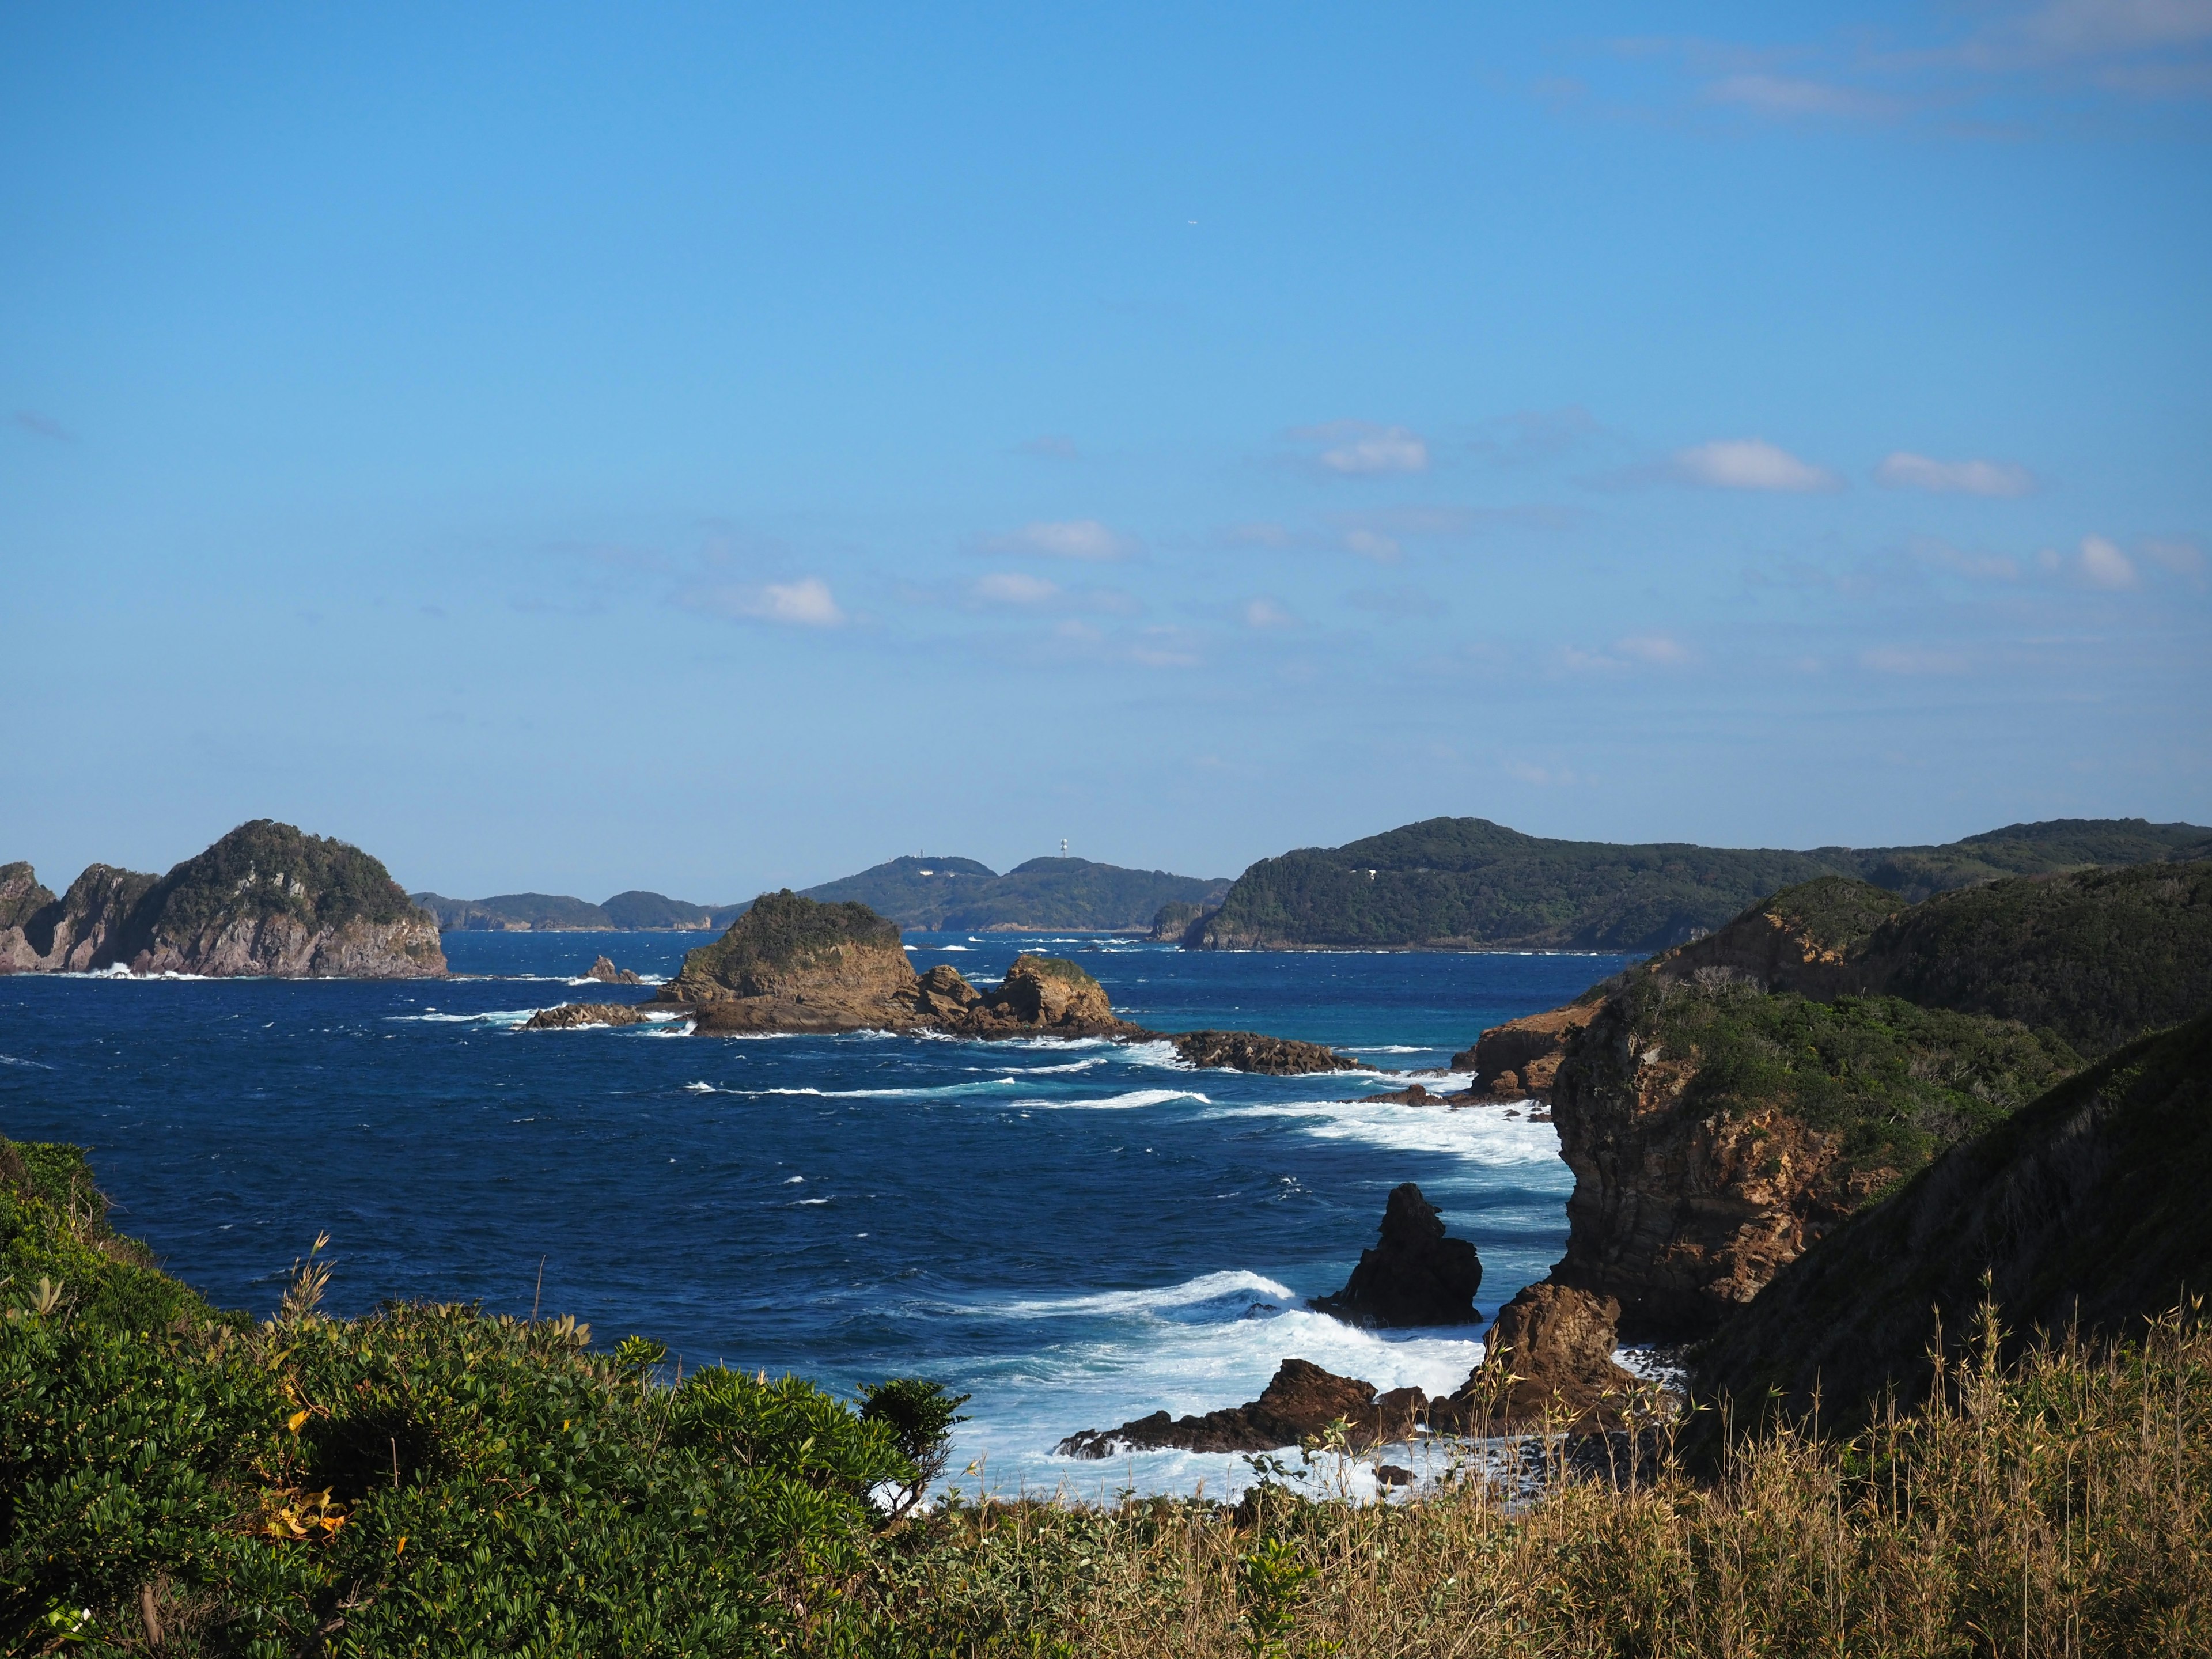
(1547, 1360)
(1180, 923)
(263, 900)
(1300, 1402)
(1804, 939)
(1248, 1051)
(1414, 1094)
(1414, 1275)
(2085, 1209)
(604, 970)
(1044, 996)
(1517, 1061)
(791, 965)
(1714, 1132)
(570, 1015)
(945, 994)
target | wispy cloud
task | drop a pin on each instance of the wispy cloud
(1358, 449)
(1264, 613)
(1051, 445)
(1262, 533)
(2103, 564)
(31, 421)
(1636, 651)
(1904, 471)
(1373, 544)
(1749, 463)
(1016, 587)
(1911, 659)
(1065, 538)
(805, 603)
(1788, 97)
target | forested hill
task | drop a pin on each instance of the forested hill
(914, 892)
(1468, 884)
(1043, 894)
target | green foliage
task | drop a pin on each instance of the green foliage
(1048, 892)
(1470, 883)
(265, 869)
(639, 910)
(1894, 1082)
(1834, 913)
(425, 1480)
(539, 912)
(919, 1416)
(53, 1227)
(2098, 956)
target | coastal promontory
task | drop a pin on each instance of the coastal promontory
(264, 900)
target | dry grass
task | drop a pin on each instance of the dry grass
(2062, 1506)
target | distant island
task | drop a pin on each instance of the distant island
(1045, 894)
(1467, 883)
(266, 899)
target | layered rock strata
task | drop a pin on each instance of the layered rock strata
(1518, 1060)
(1413, 1275)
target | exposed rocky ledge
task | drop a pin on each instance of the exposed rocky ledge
(604, 970)
(1547, 1361)
(1248, 1051)
(263, 900)
(570, 1015)
(1518, 1060)
(1414, 1275)
(1300, 1402)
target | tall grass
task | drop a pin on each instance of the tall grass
(2059, 1506)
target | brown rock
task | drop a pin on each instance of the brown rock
(1248, 1051)
(1414, 1094)
(1548, 1358)
(570, 1015)
(1414, 1275)
(944, 992)
(1301, 1401)
(606, 973)
(1517, 1061)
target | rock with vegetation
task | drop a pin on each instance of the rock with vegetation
(640, 912)
(263, 900)
(1715, 1131)
(2083, 1211)
(1179, 921)
(791, 965)
(1249, 1051)
(1470, 884)
(1413, 1274)
(1299, 1402)
(516, 913)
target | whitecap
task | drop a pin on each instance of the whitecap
(495, 1017)
(10, 1059)
(698, 1089)
(804, 1202)
(1482, 1134)
(1133, 1097)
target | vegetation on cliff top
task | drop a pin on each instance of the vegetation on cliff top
(935, 893)
(1470, 883)
(782, 932)
(264, 869)
(2086, 1207)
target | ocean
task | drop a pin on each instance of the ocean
(1073, 1234)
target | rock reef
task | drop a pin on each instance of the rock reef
(604, 970)
(1248, 1051)
(571, 1015)
(1547, 1361)
(1413, 1275)
(1299, 1402)
(263, 900)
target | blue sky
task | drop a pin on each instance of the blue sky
(580, 448)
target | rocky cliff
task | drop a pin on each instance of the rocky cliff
(2085, 1209)
(263, 900)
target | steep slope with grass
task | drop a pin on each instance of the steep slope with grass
(2086, 1208)
(1470, 884)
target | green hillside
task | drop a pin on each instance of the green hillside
(1044, 894)
(538, 912)
(1470, 884)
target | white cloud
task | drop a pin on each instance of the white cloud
(1015, 587)
(2103, 564)
(1372, 544)
(1654, 650)
(1912, 660)
(1362, 449)
(1784, 96)
(1067, 538)
(1988, 567)
(805, 603)
(1266, 613)
(1904, 471)
(1750, 463)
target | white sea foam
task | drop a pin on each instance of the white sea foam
(494, 1016)
(10, 1059)
(699, 1088)
(1206, 1288)
(1388, 1048)
(117, 970)
(1481, 1134)
(804, 1202)
(1072, 1065)
(1132, 1098)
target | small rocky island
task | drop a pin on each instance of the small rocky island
(1414, 1275)
(264, 900)
(794, 964)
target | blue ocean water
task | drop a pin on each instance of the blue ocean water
(1073, 1234)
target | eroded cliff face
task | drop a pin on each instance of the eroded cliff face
(263, 900)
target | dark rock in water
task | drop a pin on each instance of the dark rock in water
(1248, 1051)
(1300, 1402)
(1414, 1094)
(1042, 996)
(607, 973)
(1392, 1475)
(1414, 1275)
(570, 1015)
(1548, 1357)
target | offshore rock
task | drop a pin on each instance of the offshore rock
(1548, 1358)
(1414, 1094)
(944, 992)
(606, 973)
(1248, 1051)
(1042, 996)
(570, 1015)
(1301, 1401)
(1414, 1275)
(263, 900)
(791, 965)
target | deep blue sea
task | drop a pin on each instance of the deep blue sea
(1073, 1234)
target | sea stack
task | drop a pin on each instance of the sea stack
(1414, 1275)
